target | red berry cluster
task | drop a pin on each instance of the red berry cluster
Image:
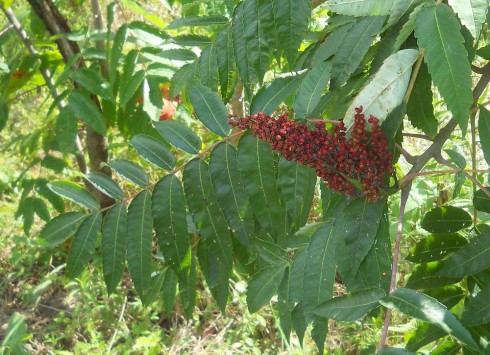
(355, 165)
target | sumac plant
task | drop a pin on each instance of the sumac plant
(302, 138)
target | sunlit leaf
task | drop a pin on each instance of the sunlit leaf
(193, 21)
(386, 90)
(179, 135)
(437, 32)
(209, 109)
(472, 14)
(360, 8)
(435, 247)
(75, 193)
(106, 185)
(61, 227)
(130, 171)
(428, 309)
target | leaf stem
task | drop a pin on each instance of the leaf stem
(413, 78)
(405, 193)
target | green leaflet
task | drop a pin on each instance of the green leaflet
(66, 130)
(386, 90)
(210, 110)
(116, 51)
(446, 219)
(169, 290)
(360, 8)
(481, 201)
(83, 244)
(471, 13)
(351, 306)
(208, 67)
(311, 89)
(61, 227)
(215, 249)
(148, 34)
(469, 259)
(94, 82)
(484, 131)
(319, 333)
(268, 98)
(319, 269)
(75, 193)
(423, 307)
(114, 245)
(423, 335)
(106, 185)
(435, 247)
(226, 60)
(130, 171)
(437, 32)
(170, 222)
(449, 296)
(153, 151)
(243, 62)
(426, 276)
(230, 192)
(139, 240)
(291, 22)
(477, 311)
(354, 46)
(152, 97)
(284, 305)
(263, 285)
(179, 135)
(420, 110)
(331, 44)
(82, 106)
(256, 166)
(360, 224)
(297, 183)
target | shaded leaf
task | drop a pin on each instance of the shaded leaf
(477, 310)
(262, 286)
(470, 259)
(437, 32)
(226, 60)
(215, 247)
(285, 306)
(169, 290)
(424, 334)
(75, 193)
(256, 165)
(209, 109)
(481, 201)
(170, 222)
(208, 67)
(420, 110)
(106, 185)
(332, 43)
(484, 132)
(139, 240)
(311, 89)
(386, 90)
(448, 295)
(94, 82)
(271, 253)
(428, 309)
(268, 98)
(61, 227)
(83, 107)
(230, 192)
(351, 306)
(66, 130)
(427, 276)
(116, 51)
(83, 244)
(291, 22)
(153, 151)
(355, 45)
(130, 171)
(179, 135)
(446, 219)
(435, 247)
(297, 183)
(114, 245)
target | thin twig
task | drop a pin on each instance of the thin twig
(408, 157)
(476, 69)
(409, 177)
(416, 135)
(396, 254)
(321, 120)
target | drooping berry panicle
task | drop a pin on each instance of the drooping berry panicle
(356, 165)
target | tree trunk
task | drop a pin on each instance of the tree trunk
(56, 24)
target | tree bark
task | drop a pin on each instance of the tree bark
(96, 143)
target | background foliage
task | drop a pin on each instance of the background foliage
(131, 163)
